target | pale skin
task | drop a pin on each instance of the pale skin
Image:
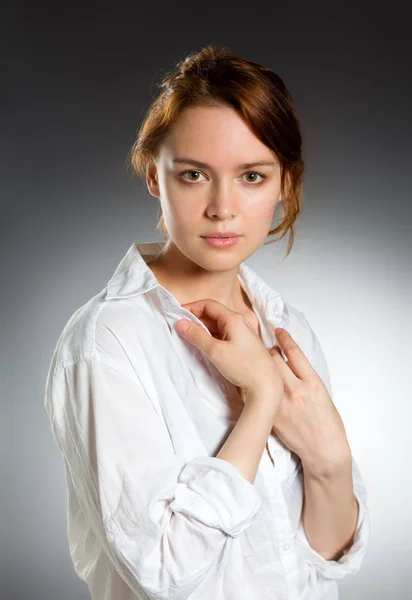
(307, 414)
(222, 196)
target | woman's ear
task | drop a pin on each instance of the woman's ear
(152, 178)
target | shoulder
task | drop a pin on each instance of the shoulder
(105, 330)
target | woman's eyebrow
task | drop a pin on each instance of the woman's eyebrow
(198, 163)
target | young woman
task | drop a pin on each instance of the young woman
(209, 463)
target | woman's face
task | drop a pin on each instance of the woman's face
(219, 195)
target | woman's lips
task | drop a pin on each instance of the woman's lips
(221, 242)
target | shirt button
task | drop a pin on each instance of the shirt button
(110, 537)
(278, 453)
(286, 547)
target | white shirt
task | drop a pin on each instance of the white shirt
(139, 415)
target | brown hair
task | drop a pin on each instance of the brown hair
(217, 76)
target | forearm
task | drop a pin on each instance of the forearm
(330, 510)
(246, 443)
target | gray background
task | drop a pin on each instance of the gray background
(78, 81)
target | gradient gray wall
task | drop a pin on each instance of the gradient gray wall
(78, 82)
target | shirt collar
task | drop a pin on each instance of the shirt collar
(133, 277)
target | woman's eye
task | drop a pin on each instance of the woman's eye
(191, 172)
(255, 173)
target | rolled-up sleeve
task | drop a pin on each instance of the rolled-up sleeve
(165, 524)
(352, 558)
(212, 491)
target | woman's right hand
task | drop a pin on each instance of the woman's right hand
(234, 348)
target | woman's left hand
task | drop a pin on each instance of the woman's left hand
(307, 421)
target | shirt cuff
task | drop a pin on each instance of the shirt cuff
(352, 558)
(213, 491)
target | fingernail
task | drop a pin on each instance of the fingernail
(183, 326)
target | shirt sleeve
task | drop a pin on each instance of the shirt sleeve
(165, 525)
(352, 558)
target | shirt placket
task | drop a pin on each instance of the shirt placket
(273, 475)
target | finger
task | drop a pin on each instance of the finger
(214, 313)
(209, 323)
(297, 360)
(197, 309)
(288, 376)
(197, 336)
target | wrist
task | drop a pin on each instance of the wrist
(265, 398)
(327, 466)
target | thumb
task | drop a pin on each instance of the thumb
(195, 335)
(182, 326)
